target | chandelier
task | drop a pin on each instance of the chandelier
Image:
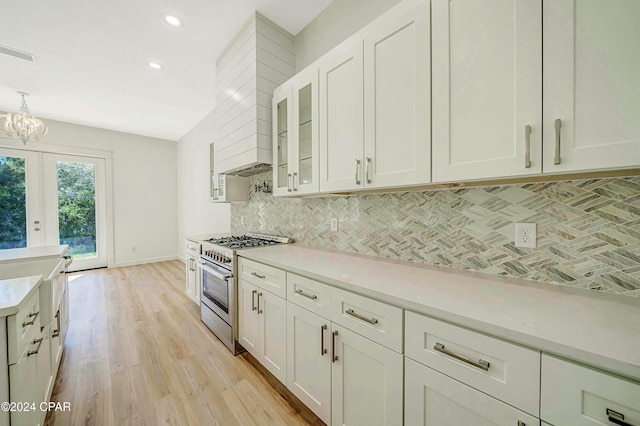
(24, 125)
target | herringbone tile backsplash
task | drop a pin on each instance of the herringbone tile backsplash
(588, 230)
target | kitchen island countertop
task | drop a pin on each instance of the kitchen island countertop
(14, 291)
(32, 253)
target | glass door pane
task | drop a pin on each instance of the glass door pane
(305, 141)
(19, 202)
(13, 199)
(283, 150)
(77, 208)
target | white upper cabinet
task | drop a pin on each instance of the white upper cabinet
(486, 88)
(591, 85)
(397, 115)
(375, 104)
(295, 117)
(341, 117)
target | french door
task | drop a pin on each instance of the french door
(50, 199)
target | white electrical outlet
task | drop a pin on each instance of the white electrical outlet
(334, 224)
(526, 235)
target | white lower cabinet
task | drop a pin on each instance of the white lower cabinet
(366, 381)
(576, 395)
(433, 399)
(309, 359)
(262, 324)
(192, 271)
(343, 377)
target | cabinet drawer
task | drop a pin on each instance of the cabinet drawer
(510, 372)
(266, 277)
(573, 394)
(312, 295)
(22, 327)
(433, 399)
(193, 248)
(375, 320)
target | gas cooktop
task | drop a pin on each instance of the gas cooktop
(248, 240)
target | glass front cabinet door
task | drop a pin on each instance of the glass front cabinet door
(295, 124)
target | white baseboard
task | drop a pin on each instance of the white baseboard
(143, 261)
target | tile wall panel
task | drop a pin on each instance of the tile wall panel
(588, 230)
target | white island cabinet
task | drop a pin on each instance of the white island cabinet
(34, 313)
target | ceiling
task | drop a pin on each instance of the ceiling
(91, 58)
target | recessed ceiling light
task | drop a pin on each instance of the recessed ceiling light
(156, 66)
(172, 20)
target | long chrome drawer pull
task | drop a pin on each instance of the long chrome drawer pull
(56, 332)
(289, 182)
(360, 317)
(482, 364)
(39, 342)
(33, 319)
(334, 357)
(262, 277)
(357, 172)
(527, 146)
(259, 310)
(308, 296)
(617, 418)
(253, 301)
(558, 125)
(295, 177)
(323, 350)
(368, 169)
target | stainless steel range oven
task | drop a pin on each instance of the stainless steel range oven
(219, 286)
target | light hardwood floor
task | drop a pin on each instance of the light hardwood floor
(137, 354)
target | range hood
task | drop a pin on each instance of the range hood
(259, 59)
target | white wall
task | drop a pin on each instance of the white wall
(144, 187)
(196, 215)
(336, 23)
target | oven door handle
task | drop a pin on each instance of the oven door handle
(213, 272)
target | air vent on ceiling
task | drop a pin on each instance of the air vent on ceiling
(17, 53)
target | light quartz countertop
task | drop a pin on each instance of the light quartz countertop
(598, 329)
(16, 290)
(198, 238)
(32, 253)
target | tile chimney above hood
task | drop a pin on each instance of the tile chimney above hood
(259, 59)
